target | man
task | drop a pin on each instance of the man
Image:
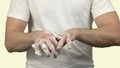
(71, 20)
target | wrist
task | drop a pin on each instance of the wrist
(73, 32)
(76, 34)
(34, 35)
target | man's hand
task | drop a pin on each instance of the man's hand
(66, 38)
(45, 43)
(107, 34)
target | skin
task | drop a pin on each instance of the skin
(107, 34)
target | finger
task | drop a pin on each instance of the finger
(52, 37)
(52, 48)
(45, 49)
(56, 35)
(36, 48)
(61, 43)
(53, 40)
(69, 41)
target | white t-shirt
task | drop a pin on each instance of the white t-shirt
(58, 16)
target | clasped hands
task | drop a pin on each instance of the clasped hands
(49, 43)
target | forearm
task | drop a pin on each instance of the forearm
(16, 41)
(100, 37)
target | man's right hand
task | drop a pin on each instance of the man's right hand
(44, 43)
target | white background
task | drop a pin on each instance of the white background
(103, 57)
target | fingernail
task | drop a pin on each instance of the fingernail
(69, 44)
(69, 47)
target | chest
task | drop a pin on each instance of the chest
(59, 5)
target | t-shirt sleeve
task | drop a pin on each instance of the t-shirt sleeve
(19, 9)
(100, 7)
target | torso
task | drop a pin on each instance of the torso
(57, 16)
